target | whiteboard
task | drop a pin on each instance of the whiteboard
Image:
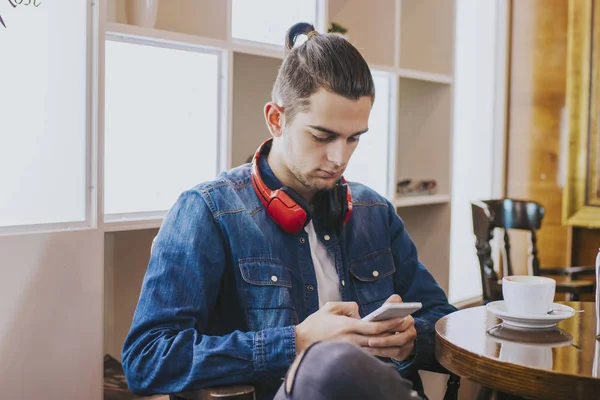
(44, 111)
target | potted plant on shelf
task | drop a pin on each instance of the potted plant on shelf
(337, 28)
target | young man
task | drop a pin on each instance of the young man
(250, 270)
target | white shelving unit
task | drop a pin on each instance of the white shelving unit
(411, 40)
(411, 201)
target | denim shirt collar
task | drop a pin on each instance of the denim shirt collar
(267, 173)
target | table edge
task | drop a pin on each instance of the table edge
(534, 382)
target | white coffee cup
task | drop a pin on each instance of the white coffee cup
(528, 295)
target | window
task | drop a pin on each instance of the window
(369, 163)
(44, 127)
(161, 125)
(267, 21)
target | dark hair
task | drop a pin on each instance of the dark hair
(327, 61)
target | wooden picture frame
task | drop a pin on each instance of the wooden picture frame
(581, 195)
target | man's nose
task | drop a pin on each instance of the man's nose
(337, 153)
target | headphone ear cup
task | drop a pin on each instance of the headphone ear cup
(335, 207)
(287, 213)
(346, 199)
(338, 205)
(345, 202)
(298, 199)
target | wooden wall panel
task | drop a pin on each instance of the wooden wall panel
(585, 246)
(536, 109)
(536, 113)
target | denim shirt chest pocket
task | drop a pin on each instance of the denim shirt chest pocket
(266, 287)
(373, 279)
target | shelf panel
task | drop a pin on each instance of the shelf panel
(137, 32)
(383, 68)
(267, 21)
(360, 17)
(411, 201)
(126, 258)
(427, 35)
(424, 76)
(257, 49)
(429, 229)
(205, 18)
(131, 224)
(424, 132)
(254, 77)
(239, 46)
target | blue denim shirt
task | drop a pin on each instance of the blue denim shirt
(211, 312)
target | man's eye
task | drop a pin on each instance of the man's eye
(354, 139)
(322, 140)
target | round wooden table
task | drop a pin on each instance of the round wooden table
(560, 363)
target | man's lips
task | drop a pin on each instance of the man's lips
(329, 174)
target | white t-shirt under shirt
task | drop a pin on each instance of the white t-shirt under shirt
(328, 284)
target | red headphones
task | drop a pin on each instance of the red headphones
(289, 210)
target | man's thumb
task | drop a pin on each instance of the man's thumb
(349, 309)
(395, 298)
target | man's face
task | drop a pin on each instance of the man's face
(318, 143)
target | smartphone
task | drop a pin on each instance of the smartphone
(393, 310)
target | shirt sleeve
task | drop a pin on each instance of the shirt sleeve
(415, 283)
(166, 350)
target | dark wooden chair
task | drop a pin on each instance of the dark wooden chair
(519, 215)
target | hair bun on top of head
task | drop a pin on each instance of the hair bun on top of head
(301, 28)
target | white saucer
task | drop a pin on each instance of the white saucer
(527, 338)
(498, 308)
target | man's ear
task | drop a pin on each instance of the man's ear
(274, 118)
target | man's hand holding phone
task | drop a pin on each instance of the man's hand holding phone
(397, 343)
(341, 321)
